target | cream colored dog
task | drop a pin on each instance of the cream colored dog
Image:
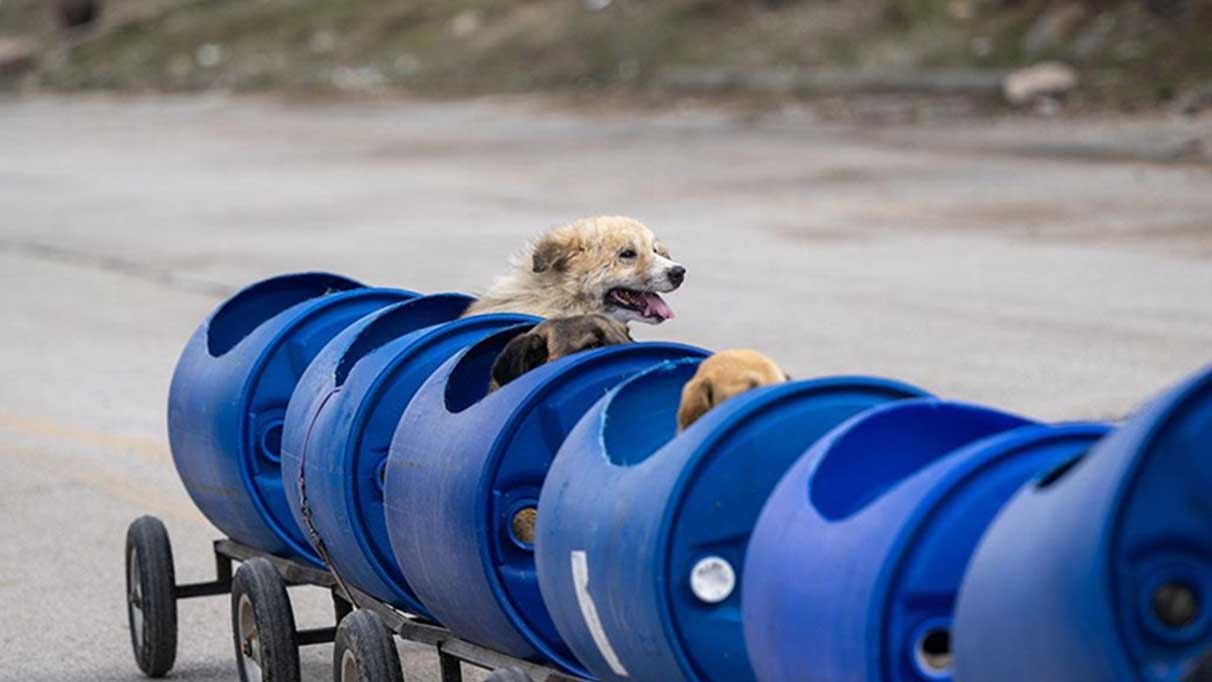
(610, 265)
(722, 376)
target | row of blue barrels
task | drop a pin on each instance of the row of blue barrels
(875, 532)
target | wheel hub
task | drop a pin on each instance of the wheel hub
(250, 641)
(349, 668)
(134, 598)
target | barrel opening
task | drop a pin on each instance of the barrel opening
(468, 381)
(249, 309)
(398, 320)
(522, 524)
(641, 416)
(932, 654)
(1176, 604)
(1173, 598)
(889, 444)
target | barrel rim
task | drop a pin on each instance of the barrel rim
(1139, 440)
(303, 312)
(744, 408)
(547, 378)
(961, 467)
(423, 339)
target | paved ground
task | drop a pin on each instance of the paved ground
(982, 262)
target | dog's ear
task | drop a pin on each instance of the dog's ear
(697, 399)
(553, 252)
(520, 355)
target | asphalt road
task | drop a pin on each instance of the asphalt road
(985, 262)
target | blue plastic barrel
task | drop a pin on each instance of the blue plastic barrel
(1102, 571)
(642, 531)
(229, 392)
(341, 419)
(855, 560)
(463, 481)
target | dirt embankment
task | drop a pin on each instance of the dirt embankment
(1128, 53)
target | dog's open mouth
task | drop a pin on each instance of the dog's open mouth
(647, 303)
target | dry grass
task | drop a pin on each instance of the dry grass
(459, 46)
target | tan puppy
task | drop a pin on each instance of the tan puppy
(722, 376)
(553, 340)
(609, 265)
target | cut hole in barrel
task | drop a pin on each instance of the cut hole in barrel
(641, 417)
(397, 321)
(868, 458)
(468, 380)
(249, 309)
(932, 653)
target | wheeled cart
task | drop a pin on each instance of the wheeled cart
(265, 638)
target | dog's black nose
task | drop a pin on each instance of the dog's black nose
(676, 274)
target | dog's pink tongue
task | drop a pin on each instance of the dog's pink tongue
(655, 306)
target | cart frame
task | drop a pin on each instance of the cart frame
(451, 650)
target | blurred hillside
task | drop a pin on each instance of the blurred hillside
(1125, 53)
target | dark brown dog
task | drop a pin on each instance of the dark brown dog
(555, 339)
(722, 376)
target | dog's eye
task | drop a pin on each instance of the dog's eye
(627, 254)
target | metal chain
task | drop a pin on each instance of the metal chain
(313, 535)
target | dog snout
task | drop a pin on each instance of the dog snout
(676, 275)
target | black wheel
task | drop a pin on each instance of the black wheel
(508, 675)
(151, 605)
(263, 625)
(364, 651)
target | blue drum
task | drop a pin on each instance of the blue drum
(340, 422)
(855, 560)
(463, 482)
(642, 531)
(229, 393)
(1102, 571)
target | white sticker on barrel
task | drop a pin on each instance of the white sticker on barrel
(580, 580)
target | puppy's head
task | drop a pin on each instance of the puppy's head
(722, 376)
(612, 265)
(553, 340)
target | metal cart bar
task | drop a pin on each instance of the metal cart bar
(452, 651)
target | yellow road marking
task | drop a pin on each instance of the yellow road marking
(83, 471)
(35, 426)
(111, 484)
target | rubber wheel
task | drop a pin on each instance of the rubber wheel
(263, 625)
(151, 602)
(364, 650)
(509, 675)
